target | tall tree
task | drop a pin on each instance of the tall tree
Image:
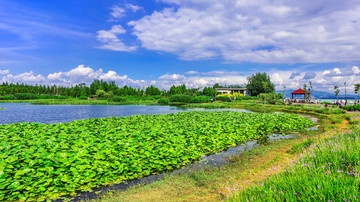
(255, 85)
(305, 91)
(345, 93)
(337, 91)
(357, 90)
(265, 86)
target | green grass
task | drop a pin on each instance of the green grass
(328, 171)
(2, 108)
(353, 118)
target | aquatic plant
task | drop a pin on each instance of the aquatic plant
(46, 161)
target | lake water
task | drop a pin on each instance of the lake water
(25, 112)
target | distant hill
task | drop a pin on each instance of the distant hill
(321, 95)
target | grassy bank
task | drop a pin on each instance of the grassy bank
(328, 170)
(258, 107)
(63, 159)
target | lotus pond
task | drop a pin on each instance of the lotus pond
(46, 161)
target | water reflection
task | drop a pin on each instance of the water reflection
(24, 112)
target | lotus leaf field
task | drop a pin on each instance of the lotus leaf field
(47, 161)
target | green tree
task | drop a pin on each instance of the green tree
(305, 91)
(172, 90)
(209, 91)
(100, 93)
(265, 86)
(216, 85)
(337, 91)
(357, 89)
(152, 90)
(255, 84)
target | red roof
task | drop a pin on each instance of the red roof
(299, 91)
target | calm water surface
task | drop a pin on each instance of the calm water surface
(25, 112)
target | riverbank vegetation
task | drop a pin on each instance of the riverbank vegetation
(65, 158)
(327, 171)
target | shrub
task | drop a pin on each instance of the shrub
(163, 101)
(7, 97)
(337, 111)
(118, 99)
(357, 107)
(83, 97)
(25, 96)
(247, 98)
(180, 98)
(348, 108)
(200, 99)
(222, 98)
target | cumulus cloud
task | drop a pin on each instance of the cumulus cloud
(264, 31)
(111, 41)
(27, 77)
(321, 80)
(4, 71)
(356, 69)
(172, 77)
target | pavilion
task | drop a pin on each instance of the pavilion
(298, 92)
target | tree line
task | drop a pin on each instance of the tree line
(100, 88)
(256, 84)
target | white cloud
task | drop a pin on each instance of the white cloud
(276, 79)
(167, 80)
(112, 76)
(111, 41)
(172, 77)
(133, 8)
(263, 31)
(322, 80)
(4, 71)
(337, 70)
(117, 12)
(27, 77)
(191, 72)
(356, 69)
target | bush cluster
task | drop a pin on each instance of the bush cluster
(83, 97)
(180, 98)
(351, 107)
(163, 101)
(118, 99)
(25, 96)
(7, 97)
(201, 99)
(222, 98)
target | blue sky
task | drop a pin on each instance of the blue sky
(192, 42)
